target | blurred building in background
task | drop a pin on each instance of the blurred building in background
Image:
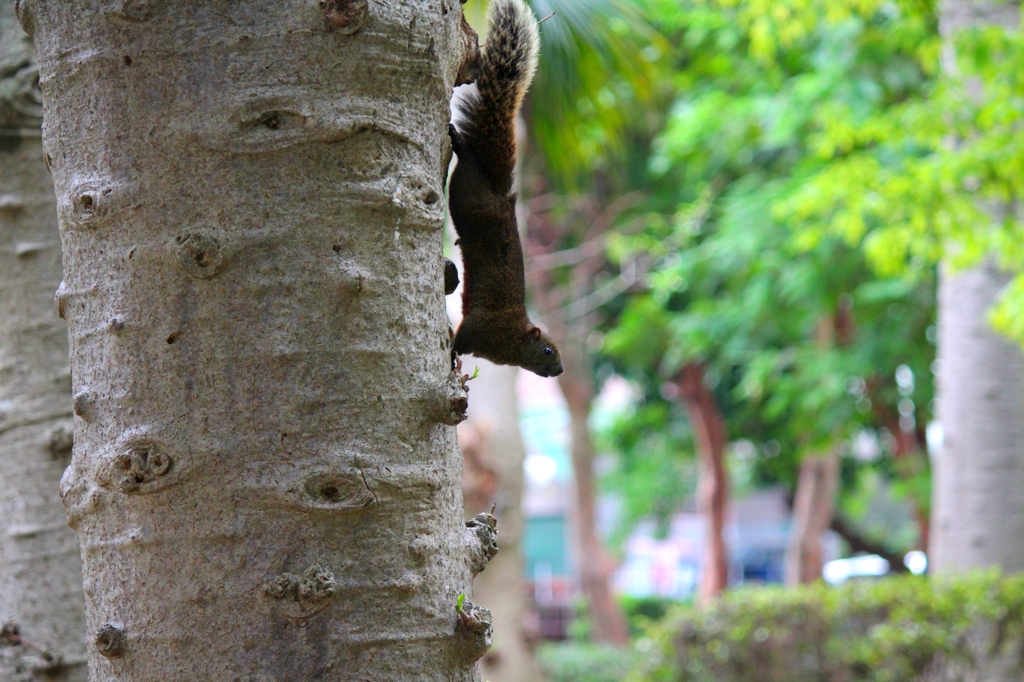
(666, 566)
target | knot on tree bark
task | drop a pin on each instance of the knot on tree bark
(344, 16)
(305, 595)
(60, 298)
(339, 490)
(139, 464)
(110, 641)
(93, 203)
(200, 255)
(452, 399)
(83, 405)
(474, 629)
(481, 540)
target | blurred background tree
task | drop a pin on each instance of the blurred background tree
(741, 207)
(42, 604)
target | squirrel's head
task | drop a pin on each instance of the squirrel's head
(540, 354)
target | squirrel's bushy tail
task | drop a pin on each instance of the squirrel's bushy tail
(507, 66)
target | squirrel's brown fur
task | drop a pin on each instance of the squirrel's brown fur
(495, 325)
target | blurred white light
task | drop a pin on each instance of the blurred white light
(541, 469)
(933, 435)
(865, 447)
(871, 565)
(916, 562)
(905, 379)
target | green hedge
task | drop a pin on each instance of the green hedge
(585, 662)
(902, 629)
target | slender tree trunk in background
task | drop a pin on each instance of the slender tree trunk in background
(818, 481)
(978, 489)
(494, 418)
(812, 516)
(712, 477)
(596, 567)
(570, 328)
(42, 607)
(265, 483)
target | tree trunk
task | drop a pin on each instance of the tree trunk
(596, 567)
(499, 453)
(978, 489)
(265, 483)
(712, 478)
(42, 608)
(812, 516)
(978, 508)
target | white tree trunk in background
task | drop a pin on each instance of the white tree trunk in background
(978, 506)
(494, 415)
(978, 488)
(41, 604)
(265, 483)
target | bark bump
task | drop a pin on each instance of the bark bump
(335, 490)
(140, 463)
(452, 399)
(110, 641)
(345, 16)
(84, 404)
(60, 297)
(303, 596)
(92, 204)
(475, 628)
(200, 255)
(481, 540)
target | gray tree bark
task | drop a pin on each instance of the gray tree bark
(42, 607)
(494, 417)
(265, 481)
(978, 490)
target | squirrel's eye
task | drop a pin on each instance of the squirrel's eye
(548, 350)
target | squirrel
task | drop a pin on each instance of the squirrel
(451, 277)
(495, 325)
